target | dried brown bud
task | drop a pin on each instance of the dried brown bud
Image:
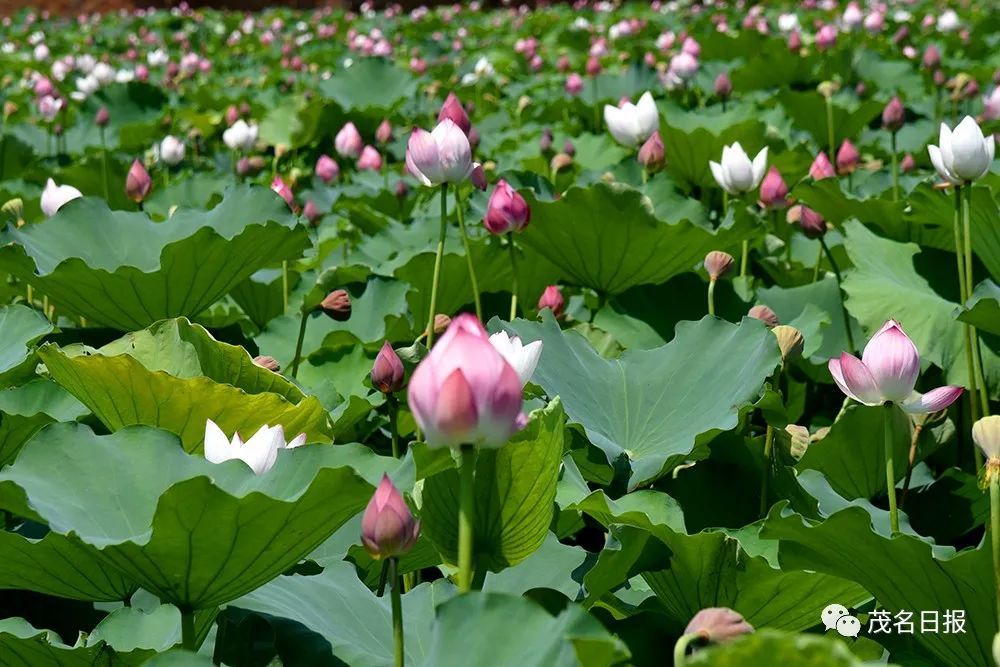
(790, 342)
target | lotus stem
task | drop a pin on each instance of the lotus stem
(768, 467)
(437, 264)
(189, 639)
(711, 296)
(681, 647)
(393, 403)
(840, 291)
(890, 474)
(513, 270)
(466, 513)
(963, 288)
(299, 341)
(994, 477)
(284, 286)
(977, 358)
(829, 127)
(104, 166)
(468, 255)
(895, 169)
(597, 107)
(911, 459)
(397, 612)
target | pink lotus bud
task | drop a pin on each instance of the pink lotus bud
(418, 65)
(285, 192)
(593, 66)
(809, 221)
(545, 143)
(691, 47)
(453, 110)
(337, 305)
(794, 41)
(932, 57)
(907, 164)
(387, 372)
(898, 37)
(473, 138)
(718, 264)
(327, 169)
(552, 299)
(388, 529)
(568, 148)
(370, 159)
(232, 115)
(860, 89)
(142, 73)
(348, 142)
(311, 212)
(464, 391)
(270, 363)
(44, 88)
(847, 158)
(652, 155)
(574, 84)
(507, 210)
(765, 315)
(441, 156)
(383, 134)
(723, 86)
(773, 191)
(478, 177)
(718, 624)
(401, 189)
(102, 117)
(826, 37)
(563, 63)
(893, 115)
(821, 167)
(137, 182)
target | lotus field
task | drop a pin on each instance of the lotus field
(578, 335)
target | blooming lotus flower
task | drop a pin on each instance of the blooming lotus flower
(348, 141)
(948, 21)
(49, 107)
(506, 211)
(963, 154)
(464, 391)
(788, 22)
(259, 452)
(240, 136)
(887, 373)
(684, 65)
(737, 174)
(55, 196)
(387, 526)
(986, 434)
(821, 167)
(632, 124)
(440, 156)
(852, 16)
(523, 358)
(171, 150)
(370, 159)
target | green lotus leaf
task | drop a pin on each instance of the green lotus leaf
(808, 110)
(123, 270)
(370, 83)
(20, 328)
(194, 533)
(23, 645)
(983, 309)
(654, 406)
(779, 648)
(26, 409)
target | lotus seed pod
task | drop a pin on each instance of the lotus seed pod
(765, 315)
(790, 342)
(718, 264)
(800, 439)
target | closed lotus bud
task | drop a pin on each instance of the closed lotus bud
(507, 211)
(765, 315)
(574, 84)
(453, 109)
(137, 182)
(773, 191)
(337, 305)
(932, 57)
(986, 434)
(370, 159)
(794, 41)
(383, 134)
(232, 115)
(348, 142)
(478, 177)
(812, 223)
(327, 169)
(800, 440)
(311, 212)
(893, 115)
(907, 164)
(441, 323)
(560, 161)
(718, 264)
(939, 78)
(568, 148)
(102, 117)
(473, 138)
(790, 342)
(593, 66)
(718, 624)
(402, 189)
(552, 299)
(388, 528)
(652, 155)
(821, 168)
(270, 363)
(847, 158)
(545, 143)
(279, 186)
(387, 371)
(723, 86)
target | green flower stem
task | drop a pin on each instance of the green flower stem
(910, 460)
(963, 289)
(299, 341)
(711, 296)
(890, 474)
(895, 170)
(397, 612)
(597, 107)
(394, 422)
(843, 309)
(468, 255)
(437, 264)
(829, 128)
(977, 360)
(768, 467)
(466, 514)
(3, 144)
(681, 647)
(995, 527)
(189, 639)
(104, 166)
(819, 262)
(513, 270)
(284, 286)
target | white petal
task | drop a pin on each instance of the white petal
(217, 447)
(759, 166)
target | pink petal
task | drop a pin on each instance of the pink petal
(422, 157)
(934, 400)
(893, 361)
(858, 380)
(455, 414)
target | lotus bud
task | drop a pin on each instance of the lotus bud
(773, 191)
(383, 134)
(552, 299)
(337, 305)
(907, 164)
(799, 440)
(284, 191)
(652, 155)
(478, 177)
(790, 342)
(388, 528)
(765, 315)
(559, 162)
(348, 142)
(574, 84)
(545, 143)
(939, 78)
(809, 221)
(718, 624)
(828, 88)
(893, 115)
(441, 323)
(593, 66)
(387, 372)
(232, 115)
(723, 86)
(102, 117)
(137, 182)
(986, 434)
(794, 41)
(270, 363)
(932, 57)
(718, 264)
(327, 169)
(507, 211)
(847, 157)
(568, 148)
(311, 212)
(401, 189)
(821, 168)
(473, 138)
(453, 109)
(370, 159)
(523, 102)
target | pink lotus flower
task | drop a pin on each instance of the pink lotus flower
(893, 115)
(464, 391)
(383, 134)
(441, 156)
(285, 192)
(821, 167)
(327, 169)
(506, 211)
(652, 154)
(387, 526)
(348, 141)
(387, 371)
(887, 373)
(847, 157)
(137, 182)
(574, 84)
(552, 299)
(826, 37)
(370, 159)
(773, 191)
(452, 109)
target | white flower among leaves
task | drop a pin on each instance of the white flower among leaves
(631, 124)
(737, 174)
(522, 358)
(963, 154)
(259, 452)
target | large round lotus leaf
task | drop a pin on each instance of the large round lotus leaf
(194, 533)
(23, 645)
(124, 270)
(20, 327)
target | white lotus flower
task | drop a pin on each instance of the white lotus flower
(963, 154)
(104, 73)
(788, 22)
(948, 21)
(86, 63)
(259, 452)
(737, 174)
(522, 358)
(157, 58)
(170, 150)
(632, 124)
(240, 136)
(54, 196)
(87, 85)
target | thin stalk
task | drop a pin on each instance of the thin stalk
(768, 466)
(711, 296)
(895, 170)
(829, 127)
(468, 255)
(299, 341)
(437, 264)
(104, 166)
(3, 145)
(466, 514)
(911, 459)
(284, 286)
(890, 474)
(397, 612)
(843, 309)
(981, 389)
(681, 647)
(645, 177)
(963, 289)
(394, 423)
(819, 262)
(995, 529)
(597, 107)
(513, 270)
(189, 639)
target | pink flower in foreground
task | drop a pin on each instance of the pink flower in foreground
(464, 391)
(388, 528)
(887, 372)
(441, 156)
